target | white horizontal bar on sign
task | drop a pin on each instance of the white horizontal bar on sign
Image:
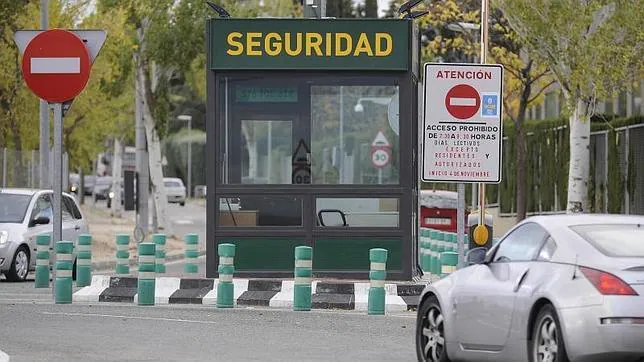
(55, 65)
(462, 101)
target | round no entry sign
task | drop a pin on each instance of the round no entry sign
(56, 65)
(462, 101)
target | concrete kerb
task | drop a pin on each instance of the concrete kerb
(111, 264)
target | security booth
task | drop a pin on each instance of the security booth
(311, 140)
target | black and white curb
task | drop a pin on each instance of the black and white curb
(251, 292)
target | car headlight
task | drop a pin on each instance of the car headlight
(73, 188)
(3, 237)
(111, 194)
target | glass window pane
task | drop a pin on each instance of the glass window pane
(616, 240)
(258, 210)
(266, 152)
(345, 121)
(357, 212)
(522, 244)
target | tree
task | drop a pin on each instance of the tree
(525, 82)
(340, 9)
(593, 48)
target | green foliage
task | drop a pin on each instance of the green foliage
(547, 166)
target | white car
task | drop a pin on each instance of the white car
(175, 190)
(25, 214)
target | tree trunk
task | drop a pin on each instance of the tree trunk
(579, 124)
(117, 167)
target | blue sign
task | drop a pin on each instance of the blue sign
(490, 105)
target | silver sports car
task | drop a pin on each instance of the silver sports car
(555, 288)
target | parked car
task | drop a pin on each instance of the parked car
(175, 190)
(102, 188)
(554, 288)
(25, 214)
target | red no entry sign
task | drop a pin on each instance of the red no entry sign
(56, 65)
(462, 101)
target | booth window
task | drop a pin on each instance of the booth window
(258, 210)
(357, 212)
(345, 121)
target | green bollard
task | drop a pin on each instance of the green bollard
(122, 254)
(303, 275)
(64, 268)
(42, 261)
(449, 261)
(159, 240)
(84, 261)
(377, 275)
(146, 280)
(225, 287)
(190, 265)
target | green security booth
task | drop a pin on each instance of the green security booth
(312, 140)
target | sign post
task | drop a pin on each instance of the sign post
(462, 127)
(380, 153)
(56, 66)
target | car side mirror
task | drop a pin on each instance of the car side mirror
(476, 256)
(40, 220)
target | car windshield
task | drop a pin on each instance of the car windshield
(172, 184)
(13, 207)
(616, 240)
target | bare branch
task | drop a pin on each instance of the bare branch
(543, 89)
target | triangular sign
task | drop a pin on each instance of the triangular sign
(93, 39)
(380, 140)
(301, 154)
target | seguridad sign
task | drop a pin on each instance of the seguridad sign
(462, 123)
(382, 44)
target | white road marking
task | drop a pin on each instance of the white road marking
(128, 317)
(55, 65)
(462, 101)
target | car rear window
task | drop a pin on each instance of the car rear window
(618, 240)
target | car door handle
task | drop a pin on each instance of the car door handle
(520, 280)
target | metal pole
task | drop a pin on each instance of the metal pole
(44, 114)
(460, 224)
(341, 163)
(142, 165)
(484, 35)
(58, 180)
(189, 157)
(379, 176)
(4, 167)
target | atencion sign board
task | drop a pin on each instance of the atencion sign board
(462, 123)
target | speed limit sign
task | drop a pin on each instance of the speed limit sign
(380, 157)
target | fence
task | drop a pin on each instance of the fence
(616, 177)
(21, 169)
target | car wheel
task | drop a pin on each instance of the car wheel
(19, 266)
(183, 204)
(430, 332)
(547, 339)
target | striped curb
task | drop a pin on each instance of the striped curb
(272, 293)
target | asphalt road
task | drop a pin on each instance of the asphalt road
(42, 331)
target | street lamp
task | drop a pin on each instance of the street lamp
(185, 117)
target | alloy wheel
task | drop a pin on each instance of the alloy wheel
(433, 337)
(547, 340)
(21, 264)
